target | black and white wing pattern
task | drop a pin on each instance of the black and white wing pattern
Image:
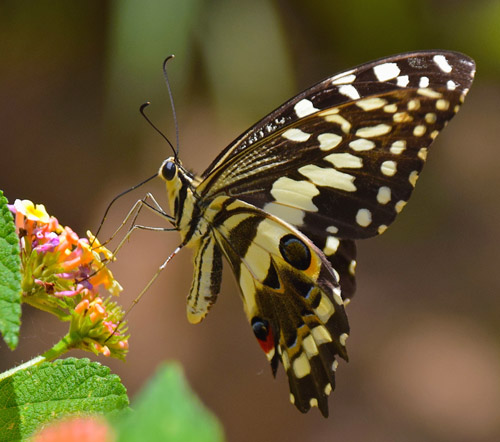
(285, 201)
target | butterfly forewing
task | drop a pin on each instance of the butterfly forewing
(286, 200)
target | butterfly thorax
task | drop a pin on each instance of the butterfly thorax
(183, 201)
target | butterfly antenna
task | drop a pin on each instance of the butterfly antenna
(165, 75)
(115, 199)
(142, 110)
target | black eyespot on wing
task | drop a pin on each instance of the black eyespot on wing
(168, 170)
(260, 328)
(295, 252)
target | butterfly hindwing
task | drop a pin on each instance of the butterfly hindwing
(290, 293)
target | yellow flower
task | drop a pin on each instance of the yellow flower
(31, 211)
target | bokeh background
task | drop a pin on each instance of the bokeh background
(424, 347)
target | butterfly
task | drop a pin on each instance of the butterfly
(284, 203)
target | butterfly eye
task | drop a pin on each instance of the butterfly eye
(168, 170)
(295, 252)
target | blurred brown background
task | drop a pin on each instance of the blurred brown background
(424, 346)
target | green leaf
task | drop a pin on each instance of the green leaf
(167, 410)
(32, 397)
(10, 277)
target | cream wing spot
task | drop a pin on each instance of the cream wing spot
(295, 193)
(301, 366)
(386, 71)
(413, 178)
(328, 141)
(419, 130)
(292, 399)
(381, 229)
(313, 402)
(442, 104)
(390, 108)
(388, 168)
(344, 160)
(304, 107)
(369, 104)
(328, 389)
(328, 177)
(331, 246)
(309, 346)
(352, 267)
(422, 153)
(296, 135)
(345, 126)
(362, 144)
(343, 338)
(373, 131)
(397, 147)
(332, 229)
(364, 217)
(427, 92)
(335, 364)
(430, 118)
(289, 214)
(384, 195)
(325, 309)
(399, 206)
(321, 335)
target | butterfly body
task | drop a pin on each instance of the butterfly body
(285, 201)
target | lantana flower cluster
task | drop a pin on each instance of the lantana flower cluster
(63, 274)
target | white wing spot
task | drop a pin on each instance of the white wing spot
(442, 63)
(335, 364)
(361, 144)
(304, 107)
(413, 178)
(373, 131)
(424, 82)
(344, 78)
(344, 160)
(384, 195)
(402, 81)
(295, 134)
(397, 147)
(386, 71)
(332, 244)
(328, 177)
(369, 104)
(451, 85)
(388, 168)
(329, 141)
(419, 130)
(364, 217)
(442, 104)
(349, 91)
(399, 206)
(422, 153)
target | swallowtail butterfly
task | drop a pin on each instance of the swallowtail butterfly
(285, 201)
